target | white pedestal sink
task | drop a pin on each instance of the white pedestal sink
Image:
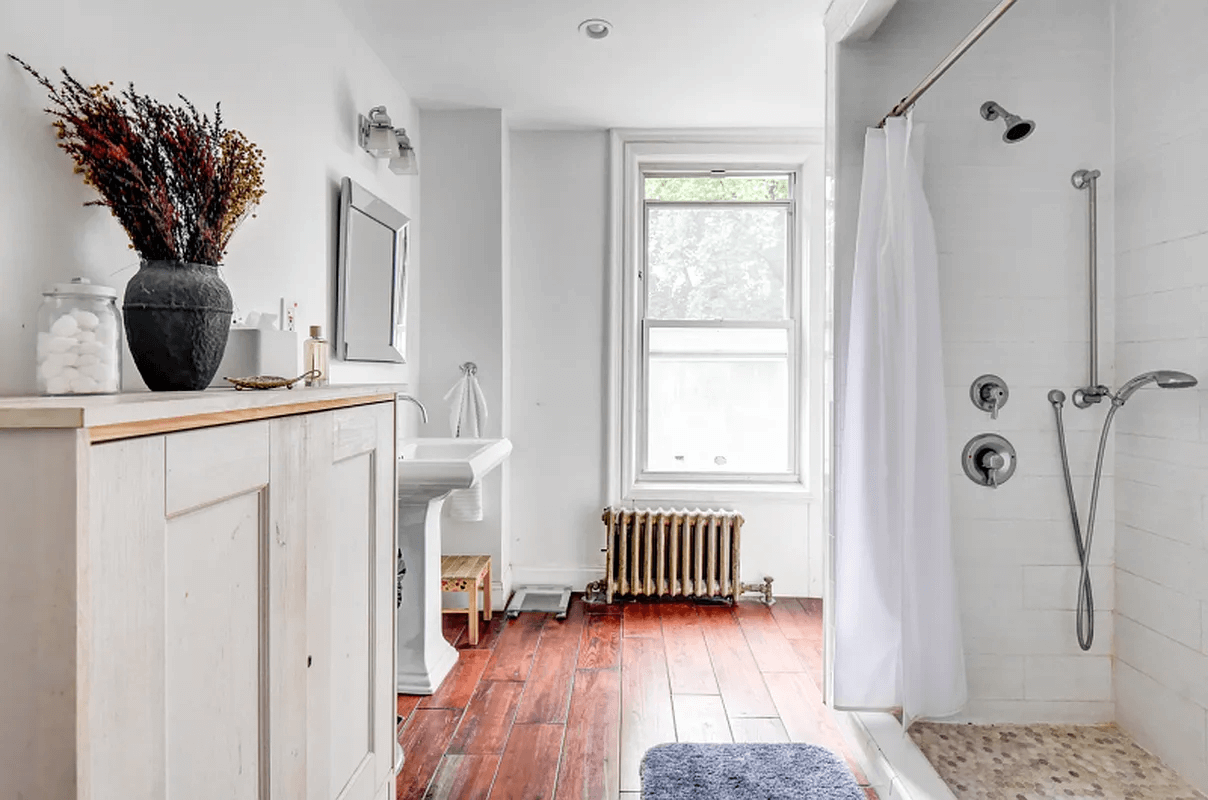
(427, 470)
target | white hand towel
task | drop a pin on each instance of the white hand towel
(467, 412)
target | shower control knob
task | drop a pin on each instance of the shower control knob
(989, 393)
(989, 460)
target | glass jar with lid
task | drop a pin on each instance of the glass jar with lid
(79, 339)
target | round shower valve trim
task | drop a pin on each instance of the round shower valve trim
(989, 393)
(988, 460)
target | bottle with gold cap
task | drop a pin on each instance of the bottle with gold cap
(314, 357)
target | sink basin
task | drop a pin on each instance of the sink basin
(427, 470)
(437, 466)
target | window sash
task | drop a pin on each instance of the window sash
(643, 477)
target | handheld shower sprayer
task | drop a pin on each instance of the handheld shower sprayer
(1165, 379)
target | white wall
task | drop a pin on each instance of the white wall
(1011, 233)
(464, 297)
(293, 85)
(1162, 463)
(559, 208)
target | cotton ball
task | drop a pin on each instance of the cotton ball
(105, 334)
(84, 385)
(90, 348)
(70, 373)
(85, 336)
(51, 368)
(65, 325)
(61, 344)
(68, 358)
(86, 360)
(99, 372)
(58, 385)
(86, 319)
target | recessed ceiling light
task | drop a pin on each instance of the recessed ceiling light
(595, 28)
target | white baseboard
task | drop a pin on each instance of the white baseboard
(576, 578)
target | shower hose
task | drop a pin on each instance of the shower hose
(1086, 599)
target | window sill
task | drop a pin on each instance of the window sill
(681, 494)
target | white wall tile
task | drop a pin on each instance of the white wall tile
(1037, 711)
(1163, 722)
(1049, 587)
(995, 677)
(1082, 677)
(1179, 668)
(1157, 607)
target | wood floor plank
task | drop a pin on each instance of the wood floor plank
(758, 730)
(406, 704)
(799, 704)
(791, 616)
(529, 767)
(688, 663)
(424, 740)
(452, 626)
(772, 651)
(512, 657)
(700, 718)
(647, 717)
(592, 749)
(488, 719)
(809, 653)
(738, 676)
(458, 687)
(463, 778)
(601, 644)
(488, 633)
(642, 619)
(547, 693)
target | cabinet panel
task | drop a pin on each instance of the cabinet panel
(120, 613)
(214, 654)
(212, 463)
(350, 609)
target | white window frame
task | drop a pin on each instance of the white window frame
(635, 153)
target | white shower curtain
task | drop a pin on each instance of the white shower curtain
(897, 626)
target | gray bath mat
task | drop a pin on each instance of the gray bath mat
(746, 772)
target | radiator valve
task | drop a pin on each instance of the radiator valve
(764, 588)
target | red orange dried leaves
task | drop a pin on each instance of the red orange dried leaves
(178, 182)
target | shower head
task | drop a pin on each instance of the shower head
(1018, 128)
(1164, 378)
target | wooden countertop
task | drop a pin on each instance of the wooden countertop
(121, 416)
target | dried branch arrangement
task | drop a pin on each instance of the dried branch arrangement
(178, 181)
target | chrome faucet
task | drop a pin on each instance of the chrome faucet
(423, 412)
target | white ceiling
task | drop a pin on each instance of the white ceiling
(668, 63)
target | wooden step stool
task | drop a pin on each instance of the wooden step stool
(468, 574)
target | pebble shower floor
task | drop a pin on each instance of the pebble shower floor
(1025, 762)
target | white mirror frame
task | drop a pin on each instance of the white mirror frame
(354, 197)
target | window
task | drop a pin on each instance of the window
(717, 398)
(715, 362)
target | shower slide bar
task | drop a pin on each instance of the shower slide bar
(950, 59)
(1094, 391)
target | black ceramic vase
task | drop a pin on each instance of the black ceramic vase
(178, 317)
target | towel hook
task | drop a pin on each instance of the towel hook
(469, 368)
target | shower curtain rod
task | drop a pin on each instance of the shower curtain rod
(935, 74)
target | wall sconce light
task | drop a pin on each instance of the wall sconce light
(377, 136)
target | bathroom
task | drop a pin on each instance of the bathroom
(511, 265)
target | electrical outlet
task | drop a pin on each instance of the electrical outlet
(289, 313)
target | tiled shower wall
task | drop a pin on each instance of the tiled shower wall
(1162, 442)
(1012, 237)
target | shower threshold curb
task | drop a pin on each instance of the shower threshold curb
(896, 767)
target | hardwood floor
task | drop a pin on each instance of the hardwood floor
(548, 710)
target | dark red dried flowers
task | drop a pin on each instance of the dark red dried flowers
(178, 181)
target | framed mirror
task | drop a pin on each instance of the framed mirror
(371, 303)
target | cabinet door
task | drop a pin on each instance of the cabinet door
(174, 611)
(350, 614)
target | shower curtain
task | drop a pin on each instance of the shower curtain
(897, 625)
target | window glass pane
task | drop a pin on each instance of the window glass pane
(716, 262)
(718, 401)
(744, 189)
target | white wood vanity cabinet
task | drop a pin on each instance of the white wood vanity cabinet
(198, 596)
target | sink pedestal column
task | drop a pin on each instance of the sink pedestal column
(423, 657)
